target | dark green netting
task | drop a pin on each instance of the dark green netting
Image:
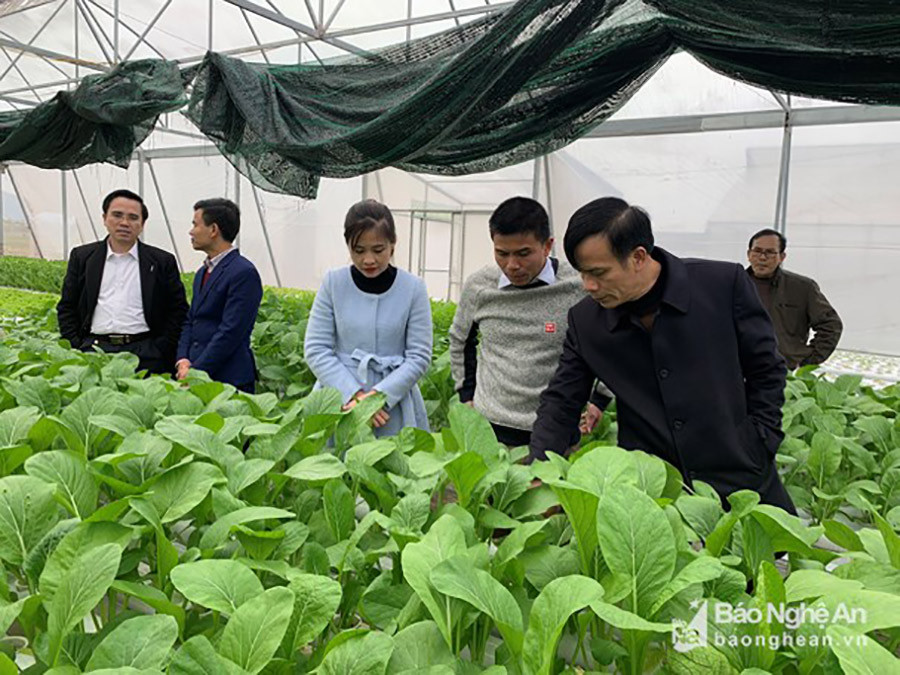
(842, 50)
(487, 94)
(102, 120)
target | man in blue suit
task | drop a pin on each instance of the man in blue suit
(227, 293)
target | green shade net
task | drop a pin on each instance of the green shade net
(103, 120)
(485, 95)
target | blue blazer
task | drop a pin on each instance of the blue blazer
(216, 332)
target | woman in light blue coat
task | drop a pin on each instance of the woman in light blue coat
(370, 328)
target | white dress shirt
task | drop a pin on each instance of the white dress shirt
(120, 306)
(547, 275)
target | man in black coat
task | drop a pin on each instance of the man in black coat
(684, 344)
(121, 294)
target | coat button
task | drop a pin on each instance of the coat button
(663, 373)
(677, 425)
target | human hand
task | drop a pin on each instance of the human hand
(589, 418)
(380, 418)
(356, 398)
(182, 366)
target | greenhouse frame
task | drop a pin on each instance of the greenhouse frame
(712, 159)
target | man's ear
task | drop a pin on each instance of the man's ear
(640, 257)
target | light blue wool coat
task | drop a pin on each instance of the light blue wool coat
(357, 340)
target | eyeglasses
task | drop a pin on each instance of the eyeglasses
(130, 217)
(764, 252)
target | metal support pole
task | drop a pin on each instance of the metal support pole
(780, 223)
(378, 186)
(423, 240)
(96, 30)
(65, 215)
(412, 232)
(265, 231)
(140, 159)
(237, 199)
(142, 36)
(162, 206)
(84, 201)
(116, 30)
(553, 228)
(37, 245)
(536, 179)
(2, 220)
(209, 37)
(131, 30)
(462, 252)
(31, 41)
(81, 236)
(75, 25)
(408, 18)
(454, 251)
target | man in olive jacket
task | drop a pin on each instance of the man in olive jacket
(794, 302)
(684, 344)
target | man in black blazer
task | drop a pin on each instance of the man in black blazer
(121, 294)
(686, 347)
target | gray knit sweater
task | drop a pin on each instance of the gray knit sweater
(522, 333)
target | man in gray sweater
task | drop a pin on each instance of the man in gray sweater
(519, 307)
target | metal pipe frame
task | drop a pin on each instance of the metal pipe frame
(87, 209)
(47, 54)
(142, 38)
(65, 214)
(265, 231)
(255, 36)
(125, 25)
(536, 179)
(33, 38)
(162, 206)
(297, 26)
(15, 187)
(24, 79)
(116, 23)
(780, 222)
(2, 217)
(754, 119)
(305, 38)
(237, 194)
(81, 236)
(89, 20)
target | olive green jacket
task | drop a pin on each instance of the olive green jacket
(797, 305)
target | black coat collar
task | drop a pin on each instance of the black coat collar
(677, 293)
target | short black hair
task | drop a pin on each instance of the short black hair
(224, 213)
(369, 214)
(782, 240)
(626, 227)
(127, 194)
(520, 215)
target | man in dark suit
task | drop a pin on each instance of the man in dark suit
(684, 344)
(227, 293)
(120, 294)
